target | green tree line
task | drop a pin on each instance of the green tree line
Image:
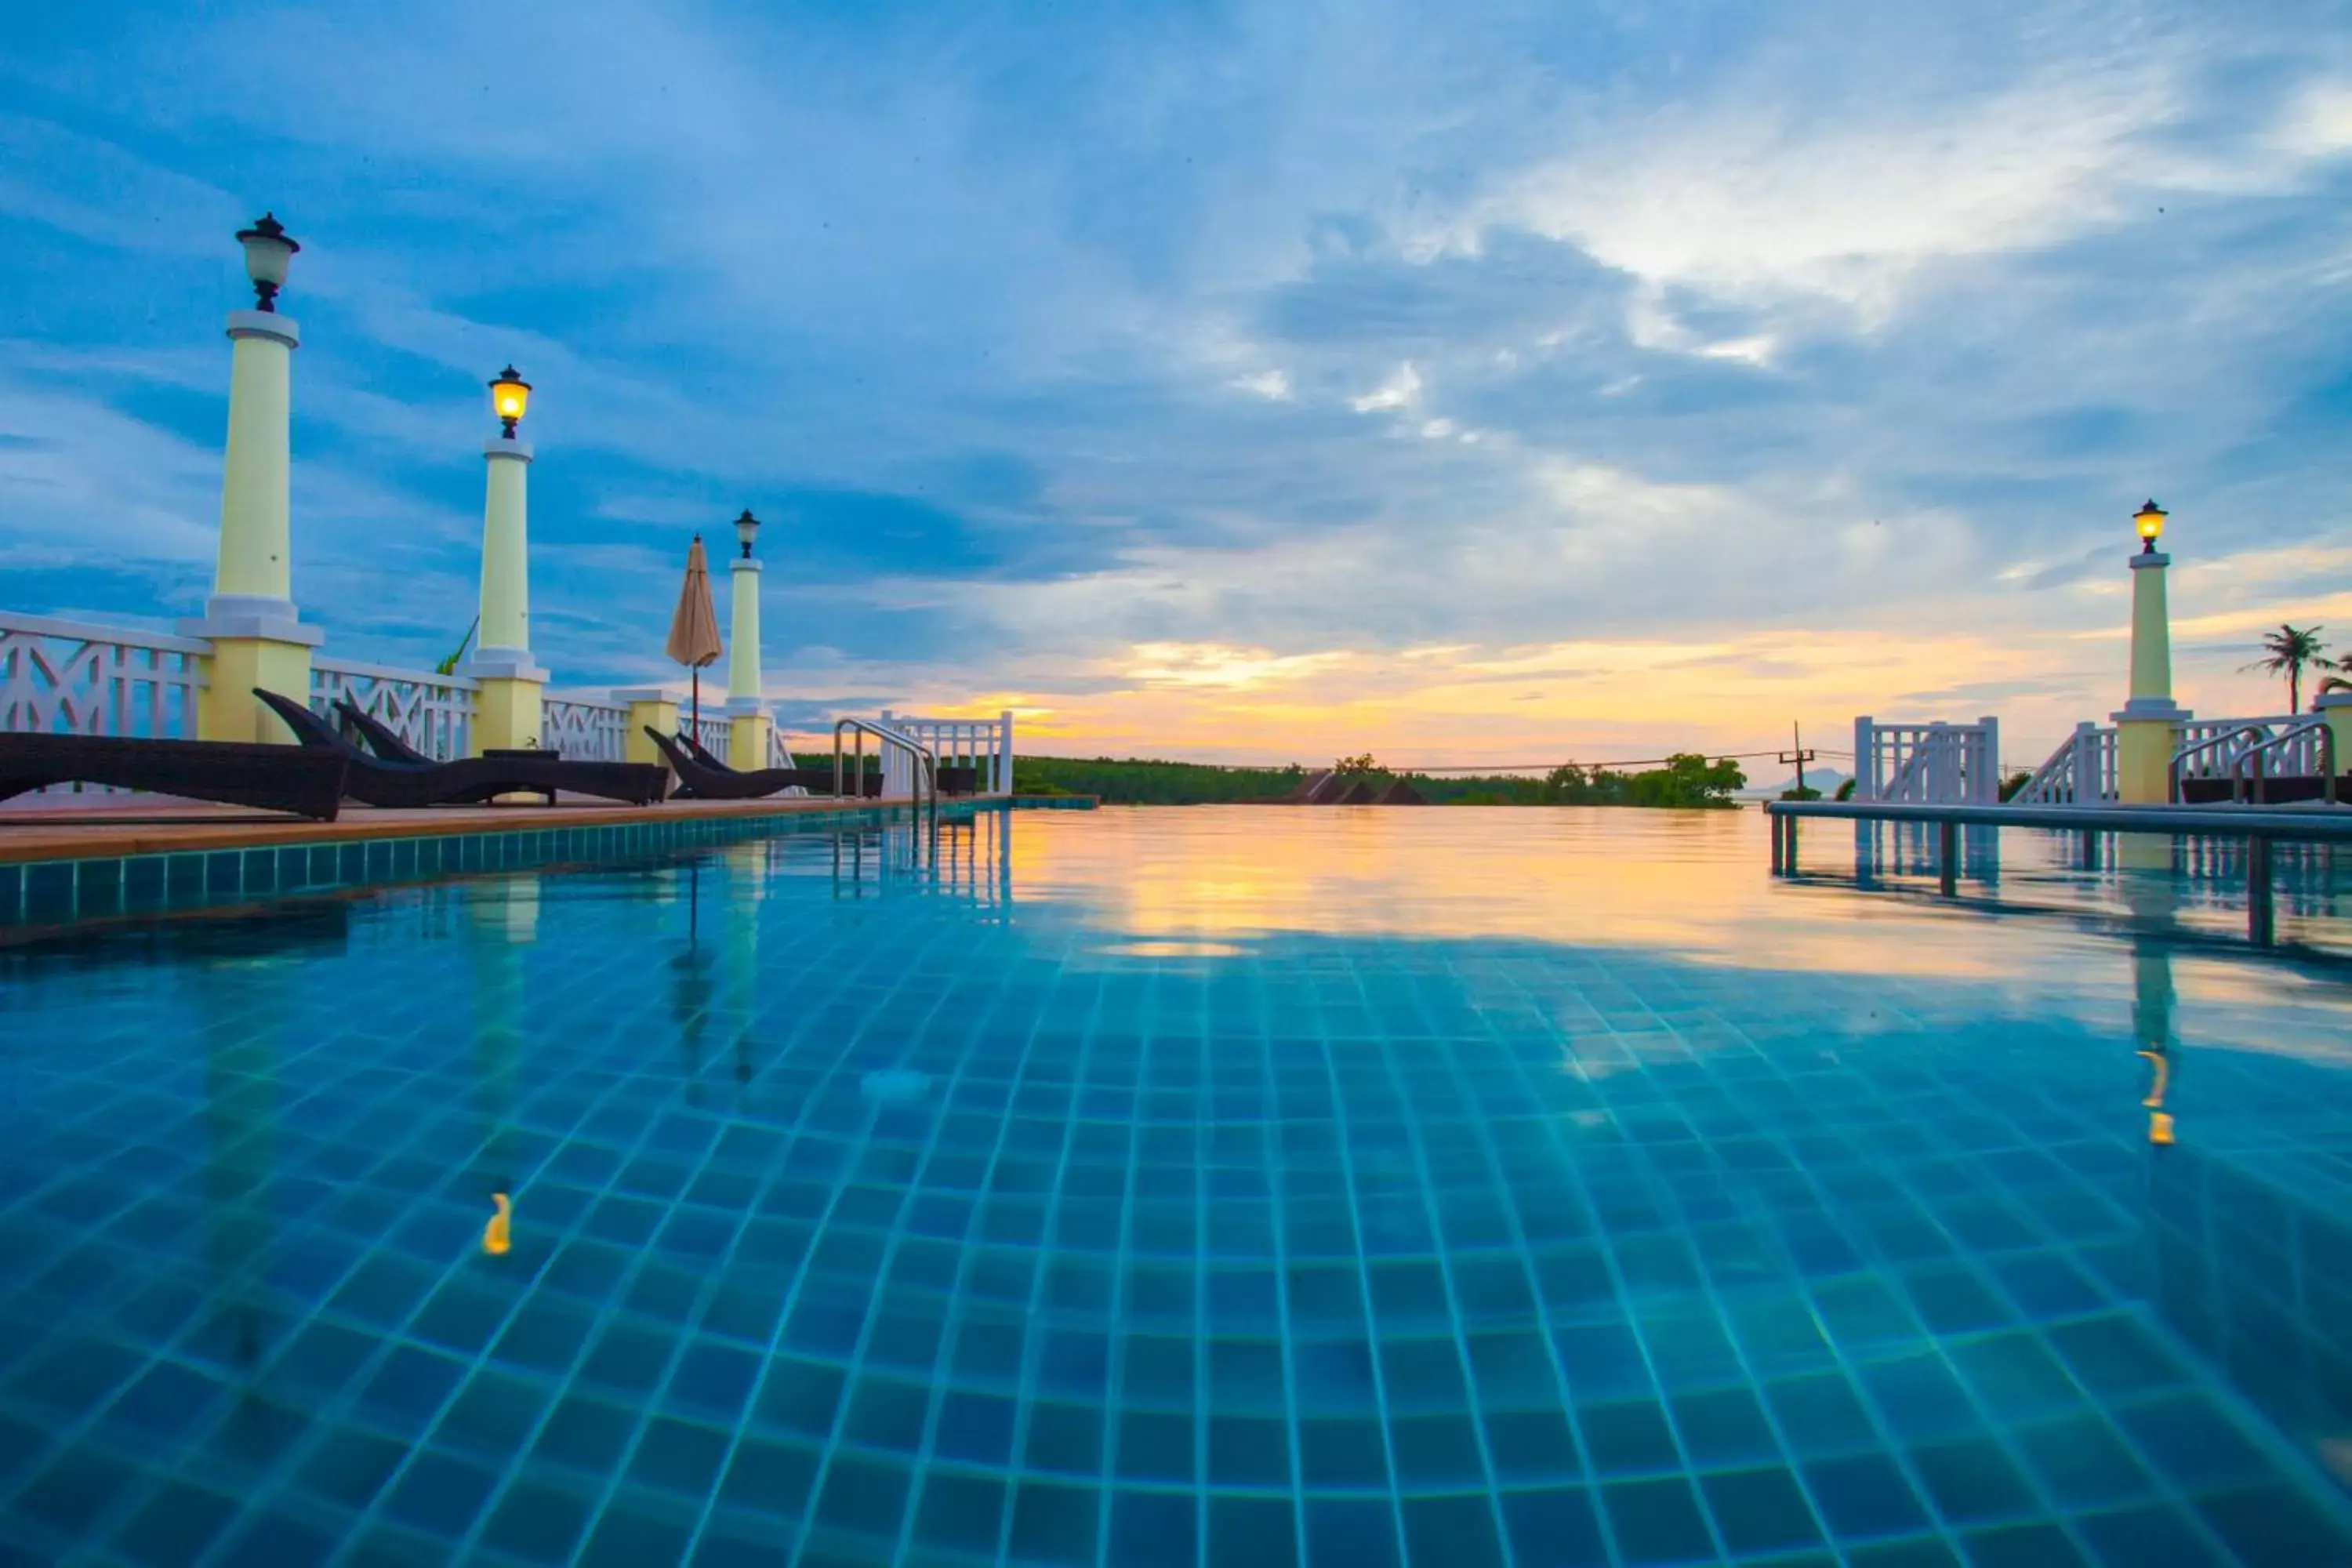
(1688, 780)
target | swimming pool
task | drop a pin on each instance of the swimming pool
(1222, 1186)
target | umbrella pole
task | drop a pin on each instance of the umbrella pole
(696, 731)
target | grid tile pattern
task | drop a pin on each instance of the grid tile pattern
(1338, 1250)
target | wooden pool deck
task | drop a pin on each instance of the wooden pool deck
(159, 827)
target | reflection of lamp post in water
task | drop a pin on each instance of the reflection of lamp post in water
(690, 988)
(2152, 904)
(747, 888)
(505, 921)
(240, 1011)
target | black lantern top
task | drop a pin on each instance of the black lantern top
(746, 526)
(267, 249)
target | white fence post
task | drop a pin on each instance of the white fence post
(2088, 786)
(1987, 792)
(1865, 759)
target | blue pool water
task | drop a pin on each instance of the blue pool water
(1221, 1186)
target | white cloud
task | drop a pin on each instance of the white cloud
(1270, 385)
(1401, 390)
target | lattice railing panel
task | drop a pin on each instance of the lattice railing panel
(584, 727)
(62, 677)
(432, 712)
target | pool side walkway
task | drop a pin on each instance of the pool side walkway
(60, 833)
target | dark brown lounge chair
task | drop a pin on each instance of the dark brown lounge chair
(2280, 789)
(379, 737)
(469, 781)
(233, 772)
(702, 776)
(817, 781)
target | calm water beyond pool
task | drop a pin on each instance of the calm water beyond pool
(1223, 1186)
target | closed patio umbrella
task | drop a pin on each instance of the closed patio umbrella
(693, 629)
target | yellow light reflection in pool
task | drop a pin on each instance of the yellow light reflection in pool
(497, 1239)
(1693, 883)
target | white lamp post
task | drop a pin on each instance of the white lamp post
(250, 619)
(2147, 725)
(747, 724)
(508, 701)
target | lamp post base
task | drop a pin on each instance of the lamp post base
(747, 739)
(508, 714)
(650, 708)
(2143, 748)
(227, 709)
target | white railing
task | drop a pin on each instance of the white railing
(432, 712)
(63, 677)
(711, 733)
(2212, 747)
(985, 744)
(2081, 771)
(586, 729)
(1927, 765)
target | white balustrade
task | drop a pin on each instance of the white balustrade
(711, 733)
(432, 712)
(1927, 765)
(2081, 771)
(982, 744)
(586, 729)
(64, 677)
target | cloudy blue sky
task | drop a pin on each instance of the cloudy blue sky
(1458, 382)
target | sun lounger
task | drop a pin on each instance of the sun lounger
(817, 781)
(2280, 789)
(379, 737)
(232, 773)
(381, 781)
(702, 776)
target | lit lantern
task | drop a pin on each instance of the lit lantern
(2150, 520)
(509, 395)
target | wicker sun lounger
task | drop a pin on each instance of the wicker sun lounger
(375, 780)
(232, 773)
(702, 776)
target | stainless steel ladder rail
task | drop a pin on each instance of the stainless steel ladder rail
(2176, 771)
(927, 769)
(2247, 766)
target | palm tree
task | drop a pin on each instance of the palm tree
(2334, 682)
(2289, 650)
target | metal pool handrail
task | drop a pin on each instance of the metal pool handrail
(925, 771)
(2173, 774)
(2320, 727)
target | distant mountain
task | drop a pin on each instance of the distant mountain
(1825, 780)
